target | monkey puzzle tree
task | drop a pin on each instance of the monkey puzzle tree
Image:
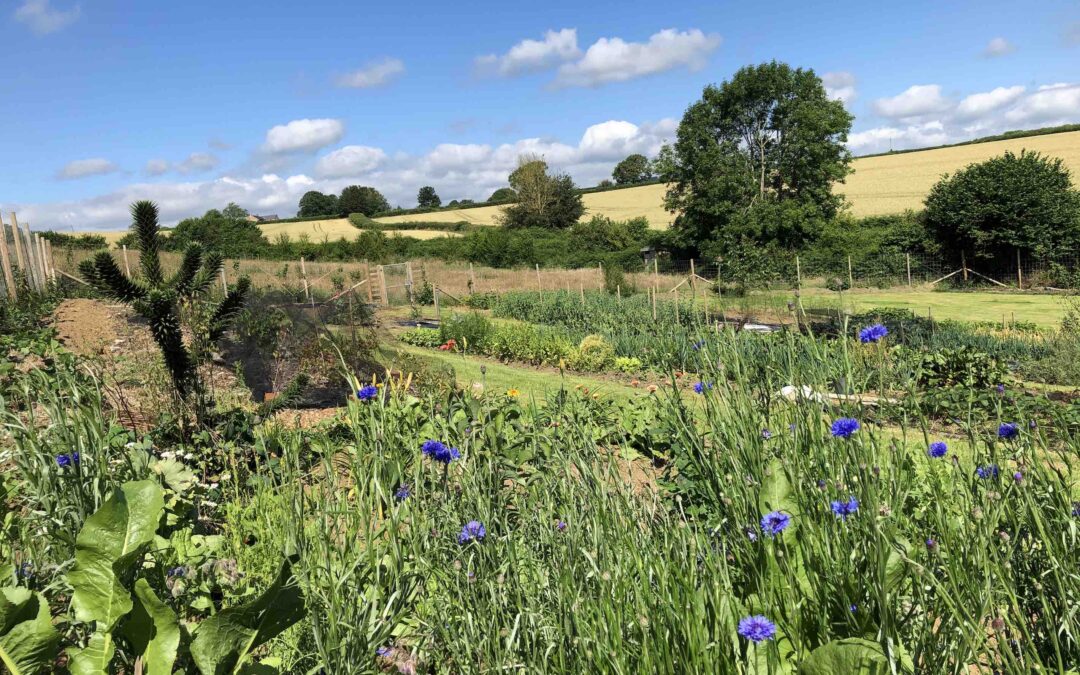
(159, 299)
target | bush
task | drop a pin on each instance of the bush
(593, 354)
(469, 331)
(422, 337)
(837, 284)
(628, 364)
(484, 300)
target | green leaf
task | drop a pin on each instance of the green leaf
(153, 631)
(776, 493)
(28, 641)
(851, 656)
(107, 550)
(178, 477)
(223, 641)
(94, 659)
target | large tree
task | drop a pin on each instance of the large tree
(362, 199)
(633, 169)
(427, 198)
(756, 158)
(315, 203)
(542, 200)
(503, 194)
(1006, 204)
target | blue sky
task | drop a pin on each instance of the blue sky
(195, 104)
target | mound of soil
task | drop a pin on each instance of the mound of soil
(94, 328)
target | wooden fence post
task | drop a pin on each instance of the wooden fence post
(303, 275)
(472, 279)
(676, 305)
(908, 255)
(654, 303)
(850, 277)
(539, 285)
(798, 274)
(42, 259)
(408, 280)
(1019, 272)
(370, 283)
(435, 296)
(655, 273)
(600, 266)
(20, 254)
(31, 257)
(127, 264)
(52, 261)
(224, 281)
(382, 287)
(5, 261)
(581, 287)
(963, 264)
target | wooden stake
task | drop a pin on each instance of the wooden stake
(52, 261)
(618, 292)
(472, 278)
(798, 274)
(655, 273)
(850, 277)
(31, 257)
(303, 275)
(5, 262)
(963, 264)
(383, 299)
(370, 283)
(127, 264)
(654, 303)
(1019, 272)
(539, 285)
(408, 280)
(581, 287)
(43, 258)
(908, 255)
(224, 281)
(676, 305)
(693, 278)
(20, 254)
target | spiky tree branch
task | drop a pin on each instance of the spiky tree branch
(189, 268)
(105, 276)
(144, 215)
(228, 309)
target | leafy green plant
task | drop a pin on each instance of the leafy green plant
(28, 640)
(593, 354)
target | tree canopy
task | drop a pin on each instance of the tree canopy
(634, 169)
(361, 199)
(503, 194)
(1005, 204)
(756, 158)
(230, 235)
(543, 200)
(315, 203)
(427, 198)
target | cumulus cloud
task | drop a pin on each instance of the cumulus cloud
(43, 19)
(916, 101)
(373, 75)
(840, 86)
(157, 167)
(306, 135)
(615, 60)
(1050, 104)
(998, 46)
(198, 161)
(980, 104)
(352, 160)
(898, 138)
(465, 170)
(81, 168)
(532, 55)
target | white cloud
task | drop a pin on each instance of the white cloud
(881, 139)
(42, 19)
(81, 168)
(156, 167)
(198, 161)
(916, 101)
(532, 55)
(1050, 104)
(615, 60)
(373, 75)
(977, 105)
(840, 86)
(352, 160)
(998, 46)
(306, 135)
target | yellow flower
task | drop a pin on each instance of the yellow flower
(513, 393)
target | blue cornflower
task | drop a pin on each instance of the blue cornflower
(751, 534)
(766, 434)
(560, 526)
(931, 545)
(402, 493)
(700, 387)
(853, 608)
(938, 449)
(988, 471)
(697, 345)
(1076, 510)
(844, 427)
(440, 452)
(63, 461)
(1000, 389)
(774, 523)
(367, 393)
(473, 530)
(175, 572)
(1008, 430)
(873, 333)
(845, 509)
(757, 628)
(1018, 477)
(75, 458)
(384, 652)
(25, 571)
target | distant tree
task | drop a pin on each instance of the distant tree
(767, 144)
(1010, 203)
(233, 211)
(465, 202)
(361, 199)
(605, 184)
(427, 198)
(503, 194)
(453, 202)
(230, 236)
(633, 169)
(543, 200)
(315, 203)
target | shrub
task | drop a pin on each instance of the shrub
(470, 331)
(593, 354)
(837, 284)
(484, 300)
(422, 337)
(628, 364)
